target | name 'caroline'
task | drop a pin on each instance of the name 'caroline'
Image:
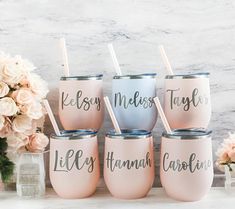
(192, 164)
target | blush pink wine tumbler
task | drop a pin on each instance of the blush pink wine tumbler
(129, 163)
(74, 163)
(186, 165)
(81, 102)
(187, 102)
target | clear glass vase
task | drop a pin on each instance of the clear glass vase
(30, 175)
(229, 183)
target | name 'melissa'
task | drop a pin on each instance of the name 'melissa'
(137, 100)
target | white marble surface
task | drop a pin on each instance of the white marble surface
(216, 199)
(198, 36)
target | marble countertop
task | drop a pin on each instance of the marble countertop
(216, 199)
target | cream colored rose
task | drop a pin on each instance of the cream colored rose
(3, 60)
(13, 70)
(33, 129)
(8, 106)
(11, 73)
(37, 142)
(24, 96)
(4, 89)
(2, 121)
(6, 129)
(38, 85)
(34, 110)
(231, 153)
(16, 141)
(22, 123)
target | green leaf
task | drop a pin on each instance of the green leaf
(6, 168)
(3, 146)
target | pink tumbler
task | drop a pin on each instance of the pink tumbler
(187, 102)
(74, 163)
(186, 165)
(129, 163)
(81, 102)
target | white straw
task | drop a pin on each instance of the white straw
(162, 115)
(114, 58)
(165, 60)
(64, 56)
(52, 118)
(112, 116)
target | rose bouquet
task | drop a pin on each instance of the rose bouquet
(226, 152)
(21, 110)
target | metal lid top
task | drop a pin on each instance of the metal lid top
(188, 76)
(137, 76)
(188, 134)
(129, 134)
(82, 77)
(76, 134)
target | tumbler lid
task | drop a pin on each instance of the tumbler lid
(82, 77)
(129, 134)
(75, 134)
(188, 134)
(188, 76)
(137, 76)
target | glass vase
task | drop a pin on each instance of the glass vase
(30, 175)
(229, 183)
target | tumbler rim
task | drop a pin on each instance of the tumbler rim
(136, 76)
(82, 77)
(129, 134)
(188, 76)
(192, 133)
(75, 134)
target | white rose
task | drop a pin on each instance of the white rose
(2, 122)
(8, 106)
(11, 72)
(38, 85)
(16, 141)
(22, 123)
(6, 130)
(4, 89)
(23, 96)
(37, 142)
(3, 59)
(34, 110)
(14, 70)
